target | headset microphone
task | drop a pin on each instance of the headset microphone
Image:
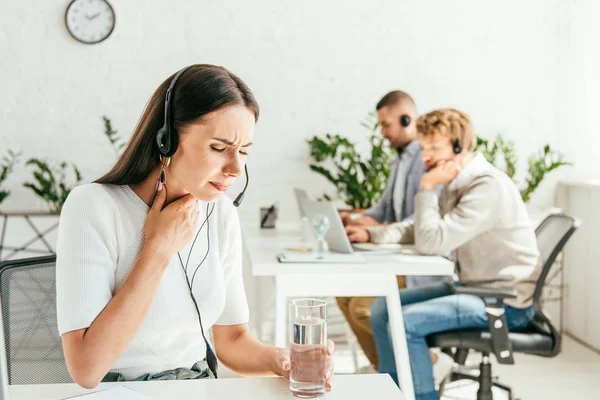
(240, 197)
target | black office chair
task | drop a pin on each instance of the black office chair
(33, 346)
(539, 338)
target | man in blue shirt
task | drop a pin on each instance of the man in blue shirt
(397, 116)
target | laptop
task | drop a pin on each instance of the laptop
(336, 236)
(301, 198)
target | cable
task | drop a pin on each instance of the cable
(207, 241)
(194, 242)
(211, 358)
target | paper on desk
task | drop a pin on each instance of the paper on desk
(118, 393)
(313, 258)
(377, 247)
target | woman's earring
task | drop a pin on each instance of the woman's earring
(164, 162)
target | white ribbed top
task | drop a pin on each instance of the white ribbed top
(100, 236)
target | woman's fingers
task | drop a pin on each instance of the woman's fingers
(329, 373)
(159, 199)
(194, 218)
(329, 369)
(330, 347)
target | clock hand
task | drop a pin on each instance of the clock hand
(94, 16)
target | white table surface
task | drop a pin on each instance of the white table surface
(376, 277)
(264, 244)
(346, 387)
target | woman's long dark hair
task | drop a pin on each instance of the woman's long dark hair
(200, 90)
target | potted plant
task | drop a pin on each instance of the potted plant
(51, 183)
(539, 164)
(51, 186)
(359, 181)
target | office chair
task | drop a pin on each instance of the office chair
(3, 370)
(539, 338)
(28, 298)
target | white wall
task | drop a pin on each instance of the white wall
(315, 66)
(579, 86)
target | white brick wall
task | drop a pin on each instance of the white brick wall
(519, 68)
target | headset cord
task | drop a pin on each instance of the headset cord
(211, 358)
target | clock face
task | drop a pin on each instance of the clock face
(90, 21)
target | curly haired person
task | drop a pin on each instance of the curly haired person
(480, 217)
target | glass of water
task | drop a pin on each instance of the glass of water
(308, 347)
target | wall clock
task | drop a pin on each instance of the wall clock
(90, 21)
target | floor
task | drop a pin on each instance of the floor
(573, 375)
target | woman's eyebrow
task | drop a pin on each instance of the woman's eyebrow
(229, 142)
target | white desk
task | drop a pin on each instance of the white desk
(376, 278)
(346, 387)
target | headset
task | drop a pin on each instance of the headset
(405, 120)
(457, 147)
(167, 139)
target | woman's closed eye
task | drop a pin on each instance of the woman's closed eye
(222, 149)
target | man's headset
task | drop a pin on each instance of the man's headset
(405, 120)
(168, 140)
(457, 147)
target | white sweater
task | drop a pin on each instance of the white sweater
(100, 236)
(482, 219)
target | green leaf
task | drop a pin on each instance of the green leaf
(6, 168)
(3, 195)
(112, 136)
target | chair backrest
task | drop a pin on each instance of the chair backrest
(552, 235)
(33, 346)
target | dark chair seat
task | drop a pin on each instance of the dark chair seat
(531, 341)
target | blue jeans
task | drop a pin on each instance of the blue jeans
(431, 309)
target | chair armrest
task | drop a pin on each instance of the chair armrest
(485, 292)
(496, 314)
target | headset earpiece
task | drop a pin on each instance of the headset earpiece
(405, 120)
(163, 141)
(456, 146)
(166, 137)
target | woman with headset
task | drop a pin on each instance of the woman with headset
(149, 257)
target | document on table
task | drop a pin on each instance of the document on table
(313, 258)
(118, 393)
